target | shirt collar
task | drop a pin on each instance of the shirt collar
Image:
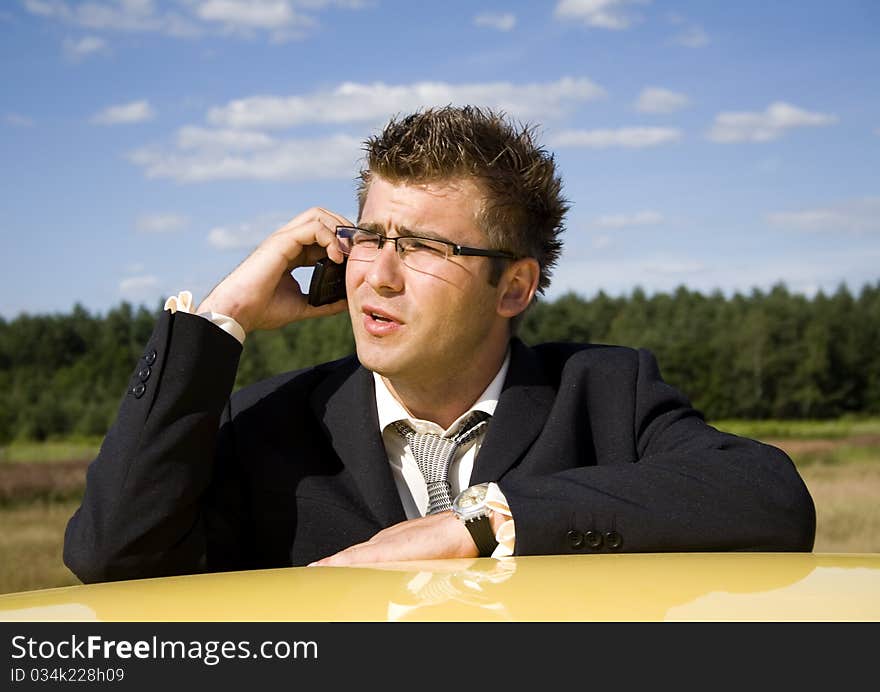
(390, 409)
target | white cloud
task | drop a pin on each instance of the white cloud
(247, 234)
(628, 137)
(125, 113)
(191, 137)
(138, 285)
(161, 223)
(639, 218)
(123, 15)
(224, 238)
(502, 21)
(280, 19)
(600, 242)
(266, 14)
(659, 100)
(851, 216)
(17, 120)
(46, 8)
(247, 16)
(692, 37)
(353, 102)
(332, 157)
(602, 14)
(84, 47)
(765, 126)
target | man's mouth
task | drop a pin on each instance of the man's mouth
(379, 315)
(380, 324)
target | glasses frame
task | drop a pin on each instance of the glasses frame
(454, 248)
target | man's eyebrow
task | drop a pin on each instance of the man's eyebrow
(402, 231)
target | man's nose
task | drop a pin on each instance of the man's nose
(386, 269)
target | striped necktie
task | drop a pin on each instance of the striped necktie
(433, 454)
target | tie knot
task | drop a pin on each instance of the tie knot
(463, 433)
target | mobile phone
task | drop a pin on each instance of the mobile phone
(328, 282)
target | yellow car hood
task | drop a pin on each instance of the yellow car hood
(626, 587)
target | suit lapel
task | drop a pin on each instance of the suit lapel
(522, 410)
(346, 404)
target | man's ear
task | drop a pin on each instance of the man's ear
(517, 286)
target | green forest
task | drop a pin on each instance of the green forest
(766, 354)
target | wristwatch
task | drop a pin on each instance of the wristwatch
(470, 507)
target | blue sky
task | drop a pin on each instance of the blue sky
(148, 146)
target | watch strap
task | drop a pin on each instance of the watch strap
(481, 531)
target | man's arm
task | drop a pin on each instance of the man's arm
(153, 497)
(687, 487)
(141, 514)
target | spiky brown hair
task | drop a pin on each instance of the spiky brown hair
(524, 208)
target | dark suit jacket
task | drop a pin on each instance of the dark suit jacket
(594, 452)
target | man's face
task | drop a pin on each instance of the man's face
(416, 327)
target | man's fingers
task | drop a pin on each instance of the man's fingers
(308, 237)
(343, 558)
(312, 253)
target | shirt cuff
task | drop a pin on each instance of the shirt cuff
(182, 302)
(506, 534)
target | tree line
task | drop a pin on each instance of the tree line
(766, 354)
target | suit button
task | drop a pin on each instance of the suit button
(138, 390)
(593, 539)
(613, 540)
(144, 373)
(575, 538)
(150, 356)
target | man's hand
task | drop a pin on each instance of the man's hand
(260, 293)
(433, 537)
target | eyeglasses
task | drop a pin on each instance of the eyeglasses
(421, 254)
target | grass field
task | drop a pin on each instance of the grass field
(836, 429)
(51, 450)
(30, 546)
(39, 493)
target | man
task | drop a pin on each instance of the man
(564, 448)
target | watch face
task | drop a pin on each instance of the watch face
(469, 498)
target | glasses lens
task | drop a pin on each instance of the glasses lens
(355, 241)
(343, 238)
(364, 244)
(422, 254)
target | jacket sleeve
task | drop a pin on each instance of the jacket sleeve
(682, 486)
(143, 511)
